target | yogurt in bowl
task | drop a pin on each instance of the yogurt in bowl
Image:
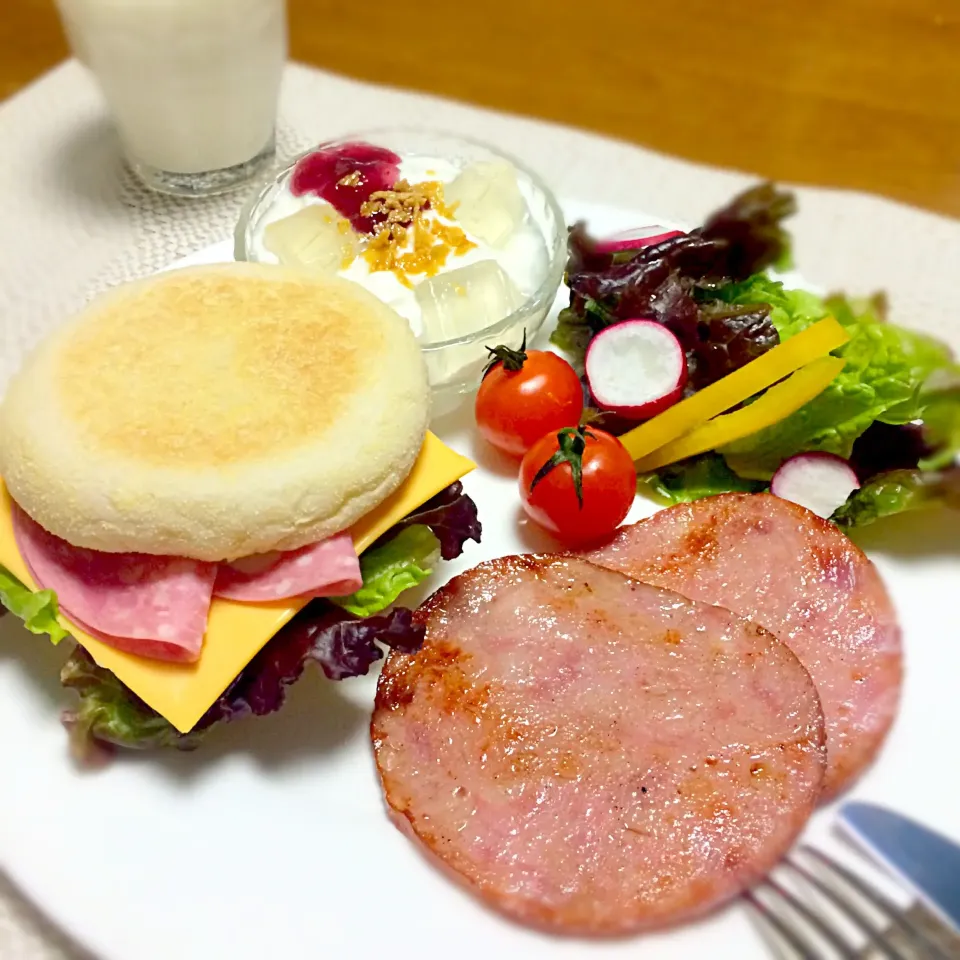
(462, 241)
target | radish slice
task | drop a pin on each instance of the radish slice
(635, 239)
(821, 482)
(636, 368)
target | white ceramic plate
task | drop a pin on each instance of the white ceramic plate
(272, 841)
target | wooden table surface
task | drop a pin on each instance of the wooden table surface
(853, 93)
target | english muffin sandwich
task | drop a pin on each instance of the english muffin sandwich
(212, 477)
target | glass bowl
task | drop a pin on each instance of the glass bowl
(454, 367)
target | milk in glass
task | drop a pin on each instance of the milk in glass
(192, 84)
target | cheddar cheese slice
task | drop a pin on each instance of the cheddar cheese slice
(237, 631)
(808, 345)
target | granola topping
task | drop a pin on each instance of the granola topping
(406, 241)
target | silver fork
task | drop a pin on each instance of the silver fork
(823, 909)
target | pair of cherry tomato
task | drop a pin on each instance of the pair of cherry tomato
(577, 482)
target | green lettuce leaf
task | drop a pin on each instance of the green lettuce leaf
(388, 570)
(897, 491)
(851, 310)
(573, 332)
(790, 310)
(696, 478)
(928, 367)
(37, 609)
(886, 370)
(941, 421)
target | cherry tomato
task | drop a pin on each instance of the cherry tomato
(578, 484)
(525, 394)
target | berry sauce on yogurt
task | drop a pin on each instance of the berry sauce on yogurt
(346, 177)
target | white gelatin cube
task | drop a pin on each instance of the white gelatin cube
(488, 201)
(463, 301)
(315, 238)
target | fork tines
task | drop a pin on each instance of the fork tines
(843, 911)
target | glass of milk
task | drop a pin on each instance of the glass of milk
(192, 85)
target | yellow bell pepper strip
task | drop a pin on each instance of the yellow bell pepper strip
(816, 341)
(773, 406)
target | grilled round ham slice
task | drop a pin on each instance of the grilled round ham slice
(782, 566)
(591, 754)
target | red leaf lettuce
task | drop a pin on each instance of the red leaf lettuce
(674, 282)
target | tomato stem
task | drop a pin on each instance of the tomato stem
(511, 359)
(591, 415)
(572, 441)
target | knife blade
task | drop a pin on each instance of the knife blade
(927, 862)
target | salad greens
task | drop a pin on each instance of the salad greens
(941, 425)
(886, 369)
(699, 477)
(343, 636)
(675, 281)
(894, 410)
(790, 310)
(896, 491)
